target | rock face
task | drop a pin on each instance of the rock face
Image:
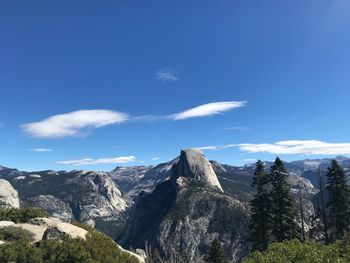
(8, 195)
(134, 180)
(85, 196)
(54, 206)
(194, 165)
(104, 200)
(182, 215)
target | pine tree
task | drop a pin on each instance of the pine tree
(338, 204)
(301, 211)
(283, 212)
(323, 206)
(260, 220)
(216, 254)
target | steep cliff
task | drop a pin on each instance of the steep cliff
(8, 195)
(182, 215)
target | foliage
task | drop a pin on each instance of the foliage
(216, 253)
(97, 248)
(260, 220)
(284, 226)
(339, 198)
(12, 233)
(21, 215)
(294, 251)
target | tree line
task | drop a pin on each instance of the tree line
(274, 214)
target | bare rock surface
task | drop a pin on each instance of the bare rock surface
(8, 195)
(194, 165)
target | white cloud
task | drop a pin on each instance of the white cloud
(216, 147)
(40, 150)
(79, 123)
(307, 147)
(166, 75)
(76, 123)
(155, 158)
(208, 109)
(89, 161)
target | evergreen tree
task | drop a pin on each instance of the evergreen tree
(301, 211)
(338, 205)
(323, 206)
(260, 220)
(283, 212)
(216, 254)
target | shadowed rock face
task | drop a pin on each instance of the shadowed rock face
(8, 195)
(194, 165)
(181, 216)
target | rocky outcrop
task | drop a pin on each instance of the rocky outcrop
(140, 258)
(134, 180)
(8, 195)
(195, 166)
(183, 215)
(44, 228)
(298, 183)
(85, 196)
(102, 198)
(54, 206)
(54, 229)
(198, 217)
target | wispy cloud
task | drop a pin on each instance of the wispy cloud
(89, 161)
(76, 123)
(40, 150)
(155, 158)
(217, 147)
(307, 147)
(236, 128)
(79, 123)
(208, 109)
(166, 75)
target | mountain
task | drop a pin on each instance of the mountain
(180, 205)
(134, 180)
(85, 196)
(182, 215)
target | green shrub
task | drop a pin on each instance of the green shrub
(12, 233)
(21, 215)
(20, 252)
(97, 248)
(296, 252)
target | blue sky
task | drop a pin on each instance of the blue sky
(89, 84)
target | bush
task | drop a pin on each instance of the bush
(20, 252)
(12, 233)
(21, 215)
(296, 252)
(97, 248)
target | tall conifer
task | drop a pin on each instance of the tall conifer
(338, 204)
(284, 226)
(260, 220)
(216, 253)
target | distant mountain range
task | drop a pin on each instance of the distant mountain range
(180, 205)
